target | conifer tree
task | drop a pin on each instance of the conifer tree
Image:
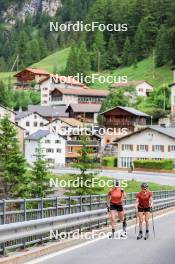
(40, 176)
(12, 162)
(113, 60)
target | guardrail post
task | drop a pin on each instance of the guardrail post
(69, 208)
(24, 219)
(56, 206)
(4, 252)
(4, 212)
(42, 214)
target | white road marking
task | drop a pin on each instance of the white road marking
(52, 255)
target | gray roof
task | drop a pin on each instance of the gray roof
(167, 131)
(128, 109)
(49, 111)
(38, 135)
(86, 108)
(20, 115)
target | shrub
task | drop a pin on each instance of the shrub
(154, 164)
(109, 161)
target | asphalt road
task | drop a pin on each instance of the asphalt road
(130, 251)
(162, 178)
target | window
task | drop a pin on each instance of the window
(35, 116)
(35, 124)
(142, 147)
(27, 124)
(59, 150)
(45, 89)
(126, 162)
(41, 124)
(172, 148)
(158, 148)
(57, 141)
(47, 141)
(49, 150)
(50, 160)
(127, 147)
(69, 149)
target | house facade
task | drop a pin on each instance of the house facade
(74, 145)
(30, 121)
(58, 90)
(122, 120)
(153, 142)
(142, 87)
(25, 77)
(51, 144)
(87, 113)
(4, 111)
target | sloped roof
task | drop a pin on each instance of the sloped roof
(130, 83)
(8, 109)
(49, 111)
(38, 135)
(128, 109)
(68, 120)
(85, 108)
(83, 92)
(167, 131)
(33, 70)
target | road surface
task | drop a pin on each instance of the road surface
(109, 251)
(162, 178)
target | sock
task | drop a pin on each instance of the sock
(113, 230)
(124, 225)
(140, 231)
(147, 231)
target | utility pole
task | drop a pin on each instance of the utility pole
(98, 54)
(153, 63)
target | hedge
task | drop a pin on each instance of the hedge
(109, 161)
(154, 164)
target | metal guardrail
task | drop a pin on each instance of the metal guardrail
(19, 210)
(23, 234)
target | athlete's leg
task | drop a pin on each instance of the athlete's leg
(140, 215)
(147, 216)
(121, 216)
(113, 218)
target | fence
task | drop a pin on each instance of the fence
(81, 212)
(12, 211)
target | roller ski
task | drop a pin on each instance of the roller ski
(146, 235)
(140, 235)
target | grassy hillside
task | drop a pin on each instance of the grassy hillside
(143, 71)
(57, 61)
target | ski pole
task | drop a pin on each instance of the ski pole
(153, 222)
(136, 221)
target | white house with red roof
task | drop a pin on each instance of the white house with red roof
(142, 87)
(59, 90)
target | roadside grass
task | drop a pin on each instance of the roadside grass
(132, 185)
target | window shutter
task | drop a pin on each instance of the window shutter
(122, 147)
(152, 147)
(137, 147)
(163, 148)
(169, 148)
(147, 148)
